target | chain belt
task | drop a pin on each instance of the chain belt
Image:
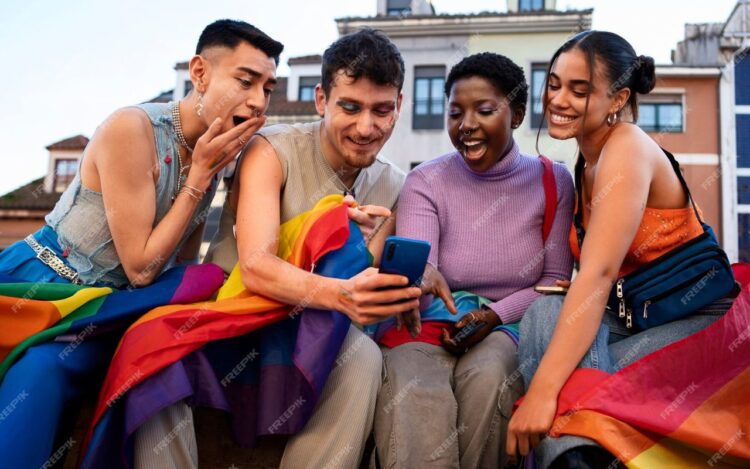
(48, 257)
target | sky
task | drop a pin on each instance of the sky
(68, 64)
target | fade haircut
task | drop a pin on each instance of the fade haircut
(229, 33)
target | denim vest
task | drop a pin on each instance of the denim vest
(80, 221)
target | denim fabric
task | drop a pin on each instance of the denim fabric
(614, 348)
(80, 219)
(53, 385)
(20, 262)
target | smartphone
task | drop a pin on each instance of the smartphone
(405, 256)
(551, 289)
(467, 331)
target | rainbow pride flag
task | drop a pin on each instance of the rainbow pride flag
(206, 352)
(685, 405)
(33, 313)
(65, 335)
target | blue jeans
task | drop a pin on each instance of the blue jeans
(41, 393)
(614, 348)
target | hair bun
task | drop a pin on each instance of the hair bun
(644, 79)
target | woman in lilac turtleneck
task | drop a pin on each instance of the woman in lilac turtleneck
(447, 395)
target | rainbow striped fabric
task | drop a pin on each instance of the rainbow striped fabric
(685, 405)
(33, 313)
(207, 353)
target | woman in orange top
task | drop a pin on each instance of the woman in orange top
(634, 210)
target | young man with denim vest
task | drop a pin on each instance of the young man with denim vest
(136, 207)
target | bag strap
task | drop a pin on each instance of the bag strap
(578, 217)
(678, 171)
(550, 196)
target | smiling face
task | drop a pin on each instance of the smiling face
(358, 118)
(236, 83)
(480, 122)
(568, 86)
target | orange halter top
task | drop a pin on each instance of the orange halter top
(660, 231)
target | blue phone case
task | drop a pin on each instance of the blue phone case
(405, 256)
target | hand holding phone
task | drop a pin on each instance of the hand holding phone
(470, 330)
(405, 256)
(371, 296)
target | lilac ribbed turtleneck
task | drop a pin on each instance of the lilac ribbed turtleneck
(486, 228)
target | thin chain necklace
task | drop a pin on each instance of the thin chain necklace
(177, 122)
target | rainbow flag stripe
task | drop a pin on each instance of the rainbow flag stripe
(685, 405)
(33, 313)
(166, 350)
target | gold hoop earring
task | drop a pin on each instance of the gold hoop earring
(612, 118)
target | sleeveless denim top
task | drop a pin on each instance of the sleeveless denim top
(80, 221)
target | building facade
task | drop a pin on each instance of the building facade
(22, 211)
(727, 46)
(735, 102)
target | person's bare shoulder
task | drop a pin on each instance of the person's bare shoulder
(628, 144)
(124, 129)
(124, 124)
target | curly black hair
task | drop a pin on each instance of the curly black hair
(229, 33)
(367, 53)
(499, 70)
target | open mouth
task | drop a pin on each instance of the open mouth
(239, 120)
(474, 149)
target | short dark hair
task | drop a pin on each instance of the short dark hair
(229, 33)
(503, 73)
(367, 53)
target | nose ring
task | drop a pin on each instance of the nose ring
(467, 132)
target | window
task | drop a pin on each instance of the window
(743, 237)
(414, 164)
(398, 7)
(307, 88)
(742, 78)
(429, 103)
(530, 5)
(742, 122)
(660, 117)
(538, 75)
(65, 171)
(743, 190)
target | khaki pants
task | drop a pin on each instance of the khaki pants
(440, 411)
(334, 437)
